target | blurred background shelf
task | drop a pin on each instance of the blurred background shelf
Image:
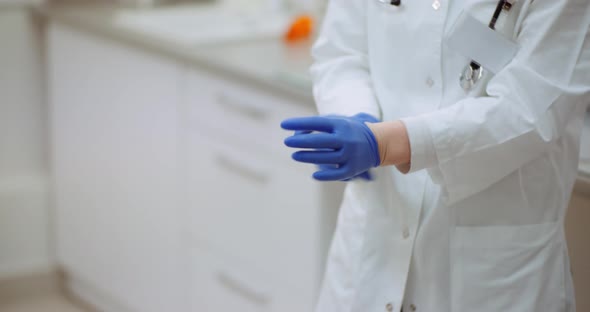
(213, 23)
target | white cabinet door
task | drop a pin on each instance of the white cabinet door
(240, 112)
(248, 200)
(226, 284)
(251, 208)
(114, 135)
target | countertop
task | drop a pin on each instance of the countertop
(285, 70)
(285, 67)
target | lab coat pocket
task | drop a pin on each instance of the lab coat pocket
(477, 42)
(508, 19)
(508, 268)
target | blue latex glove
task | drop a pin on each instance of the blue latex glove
(362, 117)
(344, 147)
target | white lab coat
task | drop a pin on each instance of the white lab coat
(478, 223)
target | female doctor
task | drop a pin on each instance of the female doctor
(471, 110)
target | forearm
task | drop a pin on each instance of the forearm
(394, 144)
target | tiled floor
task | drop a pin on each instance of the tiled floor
(50, 302)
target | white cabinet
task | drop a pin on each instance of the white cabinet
(114, 123)
(174, 191)
(254, 209)
(227, 284)
(250, 205)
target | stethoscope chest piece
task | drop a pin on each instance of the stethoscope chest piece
(471, 75)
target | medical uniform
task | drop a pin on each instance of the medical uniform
(478, 223)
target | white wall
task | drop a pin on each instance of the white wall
(24, 222)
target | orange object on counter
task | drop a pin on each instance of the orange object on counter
(302, 28)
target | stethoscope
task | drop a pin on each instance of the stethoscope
(473, 72)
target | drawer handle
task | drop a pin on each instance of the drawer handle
(242, 170)
(249, 110)
(244, 291)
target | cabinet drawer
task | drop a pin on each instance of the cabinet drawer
(239, 111)
(221, 284)
(254, 209)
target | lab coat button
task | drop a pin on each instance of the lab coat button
(389, 307)
(412, 307)
(406, 233)
(429, 82)
(436, 5)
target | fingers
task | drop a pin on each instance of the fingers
(325, 140)
(314, 123)
(321, 140)
(337, 174)
(327, 174)
(301, 132)
(318, 157)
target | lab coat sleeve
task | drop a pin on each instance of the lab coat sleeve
(478, 141)
(342, 83)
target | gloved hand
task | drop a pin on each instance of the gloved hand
(345, 147)
(362, 117)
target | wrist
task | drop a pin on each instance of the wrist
(393, 142)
